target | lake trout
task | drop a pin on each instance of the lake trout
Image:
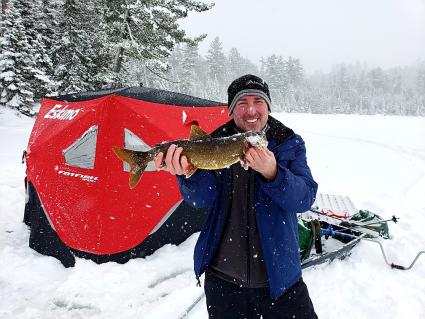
(201, 150)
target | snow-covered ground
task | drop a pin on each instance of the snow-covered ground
(379, 161)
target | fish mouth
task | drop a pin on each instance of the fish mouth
(255, 139)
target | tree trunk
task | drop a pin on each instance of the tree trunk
(120, 51)
(3, 6)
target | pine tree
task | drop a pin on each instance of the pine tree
(420, 88)
(236, 64)
(276, 77)
(188, 79)
(47, 27)
(176, 69)
(294, 72)
(17, 65)
(293, 77)
(147, 30)
(42, 33)
(420, 78)
(3, 7)
(378, 79)
(80, 58)
(201, 74)
(216, 61)
(32, 20)
(217, 67)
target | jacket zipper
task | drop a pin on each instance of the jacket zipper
(208, 236)
(248, 268)
(248, 230)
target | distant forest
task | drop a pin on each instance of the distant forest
(347, 88)
(53, 47)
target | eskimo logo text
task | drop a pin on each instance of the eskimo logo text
(59, 113)
(86, 178)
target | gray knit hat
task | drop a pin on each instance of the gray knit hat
(247, 85)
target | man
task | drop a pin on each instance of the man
(248, 246)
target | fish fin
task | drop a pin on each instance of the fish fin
(190, 171)
(196, 133)
(137, 161)
(135, 175)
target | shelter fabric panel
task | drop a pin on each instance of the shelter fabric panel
(43, 238)
(144, 94)
(82, 152)
(94, 211)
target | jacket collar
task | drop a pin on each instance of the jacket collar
(275, 130)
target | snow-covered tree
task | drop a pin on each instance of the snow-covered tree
(238, 65)
(294, 71)
(217, 70)
(378, 79)
(273, 68)
(274, 72)
(80, 59)
(189, 78)
(47, 28)
(3, 7)
(148, 30)
(420, 78)
(293, 77)
(216, 60)
(21, 72)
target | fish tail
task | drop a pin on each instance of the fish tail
(137, 161)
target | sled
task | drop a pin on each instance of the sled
(333, 227)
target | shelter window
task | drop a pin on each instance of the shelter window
(82, 152)
(135, 143)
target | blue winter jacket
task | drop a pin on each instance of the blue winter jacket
(292, 191)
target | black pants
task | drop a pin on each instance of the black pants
(228, 300)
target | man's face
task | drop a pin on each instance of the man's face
(250, 113)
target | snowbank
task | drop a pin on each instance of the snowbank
(379, 161)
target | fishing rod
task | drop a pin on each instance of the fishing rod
(393, 219)
(355, 226)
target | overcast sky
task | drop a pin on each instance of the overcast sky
(320, 32)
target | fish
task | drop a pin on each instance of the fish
(201, 150)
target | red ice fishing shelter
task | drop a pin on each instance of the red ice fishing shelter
(78, 197)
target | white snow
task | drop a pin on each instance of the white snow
(379, 161)
(7, 76)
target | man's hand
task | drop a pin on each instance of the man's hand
(263, 161)
(174, 162)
